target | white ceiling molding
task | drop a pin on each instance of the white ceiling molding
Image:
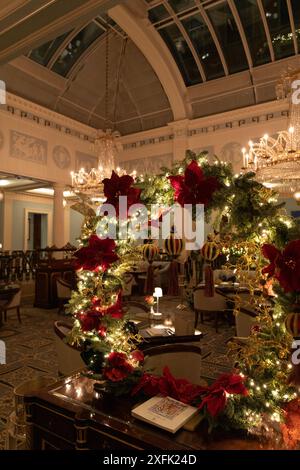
(146, 38)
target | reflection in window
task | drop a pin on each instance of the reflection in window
(76, 47)
(158, 13)
(204, 45)
(181, 5)
(277, 15)
(229, 37)
(296, 15)
(181, 54)
(43, 54)
(254, 30)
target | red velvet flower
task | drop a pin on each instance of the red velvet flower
(98, 254)
(137, 356)
(118, 368)
(231, 383)
(284, 266)
(167, 384)
(216, 396)
(194, 187)
(215, 402)
(91, 320)
(116, 186)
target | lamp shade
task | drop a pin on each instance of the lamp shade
(158, 292)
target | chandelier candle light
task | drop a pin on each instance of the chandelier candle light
(276, 160)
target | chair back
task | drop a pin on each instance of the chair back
(63, 289)
(201, 302)
(15, 301)
(184, 361)
(69, 359)
(128, 283)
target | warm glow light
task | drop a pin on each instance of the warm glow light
(4, 182)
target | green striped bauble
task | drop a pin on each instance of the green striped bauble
(210, 251)
(149, 251)
(173, 246)
(292, 324)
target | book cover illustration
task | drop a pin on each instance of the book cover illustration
(168, 408)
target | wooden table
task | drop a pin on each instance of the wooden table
(70, 415)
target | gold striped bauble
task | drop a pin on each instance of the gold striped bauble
(210, 251)
(292, 324)
(149, 251)
(173, 246)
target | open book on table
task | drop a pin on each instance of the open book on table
(164, 412)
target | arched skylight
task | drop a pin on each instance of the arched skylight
(208, 39)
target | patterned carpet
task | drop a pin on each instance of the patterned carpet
(31, 352)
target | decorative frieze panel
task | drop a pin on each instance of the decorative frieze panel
(61, 157)
(27, 147)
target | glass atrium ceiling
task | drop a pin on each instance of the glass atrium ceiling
(208, 39)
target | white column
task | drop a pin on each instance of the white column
(7, 222)
(58, 216)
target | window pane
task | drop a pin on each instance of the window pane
(181, 53)
(180, 5)
(204, 45)
(158, 13)
(229, 37)
(76, 47)
(254, 31)
(296, 14)
(279, 24)
(43, 54)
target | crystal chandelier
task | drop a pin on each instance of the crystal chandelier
(276, 159)
(106, 145)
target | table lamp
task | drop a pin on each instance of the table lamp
(157, 293)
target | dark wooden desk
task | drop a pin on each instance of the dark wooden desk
(70, 415)
(45, 282)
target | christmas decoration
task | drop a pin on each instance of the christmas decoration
(194, 187)
(210, 251)
(173, 246)
(149, 250)
(257, 394)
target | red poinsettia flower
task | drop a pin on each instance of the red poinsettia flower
(231, 383)
(215, 402)
(99, 254)
(91, 320)
(194, 187)
(284, 266)
(137, 355)
(118, 367)
(216, 395)
(116, 186)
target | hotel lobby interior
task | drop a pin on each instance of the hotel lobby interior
(149, 225)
